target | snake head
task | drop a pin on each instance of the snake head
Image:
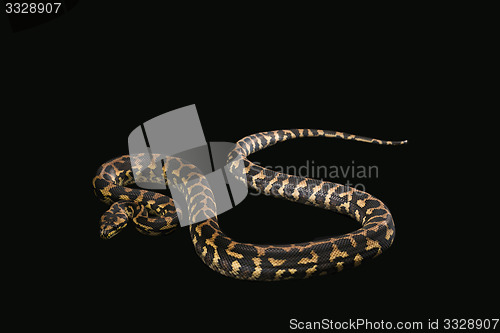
(112, 221)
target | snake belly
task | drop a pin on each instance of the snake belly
(248, 261)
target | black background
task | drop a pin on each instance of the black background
(83, 81)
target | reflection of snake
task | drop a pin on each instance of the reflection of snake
(244, 260)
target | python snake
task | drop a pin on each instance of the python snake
(155, 214)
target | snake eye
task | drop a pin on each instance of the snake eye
(104, 234)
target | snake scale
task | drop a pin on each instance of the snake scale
(155, 214)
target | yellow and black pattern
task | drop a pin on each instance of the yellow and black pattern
(152, 213)
(244, 260)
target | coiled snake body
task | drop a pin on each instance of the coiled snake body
(244, 260)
